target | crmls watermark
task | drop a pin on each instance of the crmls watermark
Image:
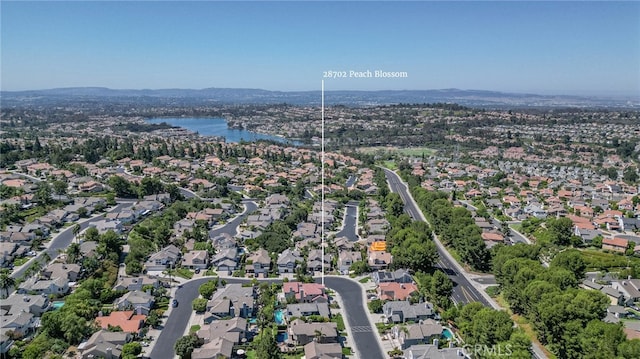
(481, 350)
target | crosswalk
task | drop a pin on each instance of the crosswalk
(361, 329)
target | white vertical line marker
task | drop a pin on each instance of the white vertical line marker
(322, 199)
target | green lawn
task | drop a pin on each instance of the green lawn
(416, 151)
(20, 261)
(517, 227)
(364, 280)
(390, 165)
(339, 322)
(210, 272)
(600, 260)
(182, 272)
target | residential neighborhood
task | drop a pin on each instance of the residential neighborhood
(132, 219)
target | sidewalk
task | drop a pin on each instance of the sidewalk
(385, 345)
(155, 333)
(348, 340)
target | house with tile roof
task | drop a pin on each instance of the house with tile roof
(129, 321)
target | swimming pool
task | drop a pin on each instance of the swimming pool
(282, 337)
(279, 316)
(447, 334)
(57, 305)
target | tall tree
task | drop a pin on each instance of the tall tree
(267, 347)
(572, 260)
(76, 230)
(441, 288)
(6, 282)
(73, 253)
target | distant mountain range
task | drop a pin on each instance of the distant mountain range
(471, 98)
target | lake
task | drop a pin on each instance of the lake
(216, 127)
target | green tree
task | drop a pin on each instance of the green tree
(83, 212)
(151, 185)
(76, 231)
(600, 339)
(153, 319)
(109, 242)
(207, 289)
(572, 260)
(59, 187)
(394, 204)
(360, 267)
(111, 199)
(75, 328)
(629, 349)
(267, 347)
(43, 194)
(375, 306)
(199, 305)
(73, 253)
(630, 174)
(132, 349)
(441, 289)
(91, 234)
(561, 230)
(122, 187)
(489, 327)
(185, 345)
(6, 282)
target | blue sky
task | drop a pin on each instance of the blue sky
(583, 48)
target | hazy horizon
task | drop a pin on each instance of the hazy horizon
(603, 96)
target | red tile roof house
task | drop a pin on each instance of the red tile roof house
(305, 292)
(127, 320)
(491, 236)
(90, 186)
(615, 244)
(396, 291)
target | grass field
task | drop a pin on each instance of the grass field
(409, 151)
(390, 165)
(598, 260)
(416, 151)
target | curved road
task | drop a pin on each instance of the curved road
(231, 227)
(63, 239)
(365, 337)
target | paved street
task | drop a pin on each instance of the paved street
(364, 338)
(62, 240)
(364, 333)
(349, 222)
(463, 291)
(231, 227)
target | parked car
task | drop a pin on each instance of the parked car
(174, 303)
